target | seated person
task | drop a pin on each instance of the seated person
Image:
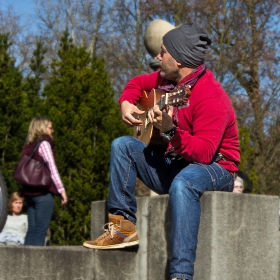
(16, 225)
(238, 185)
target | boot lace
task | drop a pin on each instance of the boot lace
(109, 228)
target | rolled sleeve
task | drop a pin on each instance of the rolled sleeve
(45, 152)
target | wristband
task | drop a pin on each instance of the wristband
(169, 135)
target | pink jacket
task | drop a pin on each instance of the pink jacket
(204, 128)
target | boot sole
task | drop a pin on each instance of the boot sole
(115, 246)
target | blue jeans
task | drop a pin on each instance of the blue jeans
(185, 183)
(39, 211)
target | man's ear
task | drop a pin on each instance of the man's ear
(180, 65)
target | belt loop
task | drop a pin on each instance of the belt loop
(233, 174)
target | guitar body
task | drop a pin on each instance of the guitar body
(147, 133)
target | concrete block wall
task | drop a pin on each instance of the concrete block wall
(46, 263)
(238, 239)
(238, 236)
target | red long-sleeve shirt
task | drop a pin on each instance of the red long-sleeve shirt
(204, 128)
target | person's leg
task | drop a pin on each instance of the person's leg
(30, 207)
(43, 213)
(185, 192)
(130, 159)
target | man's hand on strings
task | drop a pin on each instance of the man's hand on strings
(129, 112)
(161, 119)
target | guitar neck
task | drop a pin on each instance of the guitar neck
(163, 101)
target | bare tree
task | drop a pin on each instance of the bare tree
(245, 59)
(84, 20)
(20, 35)
(173, 11)
(126, 55)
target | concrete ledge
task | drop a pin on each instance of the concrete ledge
(238, 240)
(238, 236)
(65, 263)
(46, 263)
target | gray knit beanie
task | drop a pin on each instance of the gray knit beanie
(187, 44)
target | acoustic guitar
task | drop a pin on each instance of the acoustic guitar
(147, 133)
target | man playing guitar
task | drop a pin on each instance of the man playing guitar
(202, 151)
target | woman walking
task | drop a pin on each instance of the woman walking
(40, 201)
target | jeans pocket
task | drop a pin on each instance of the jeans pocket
(220, 171)
(226, 181)
(228, 187)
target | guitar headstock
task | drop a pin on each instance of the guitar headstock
(179, 97)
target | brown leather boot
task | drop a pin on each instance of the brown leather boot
(120, 233)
